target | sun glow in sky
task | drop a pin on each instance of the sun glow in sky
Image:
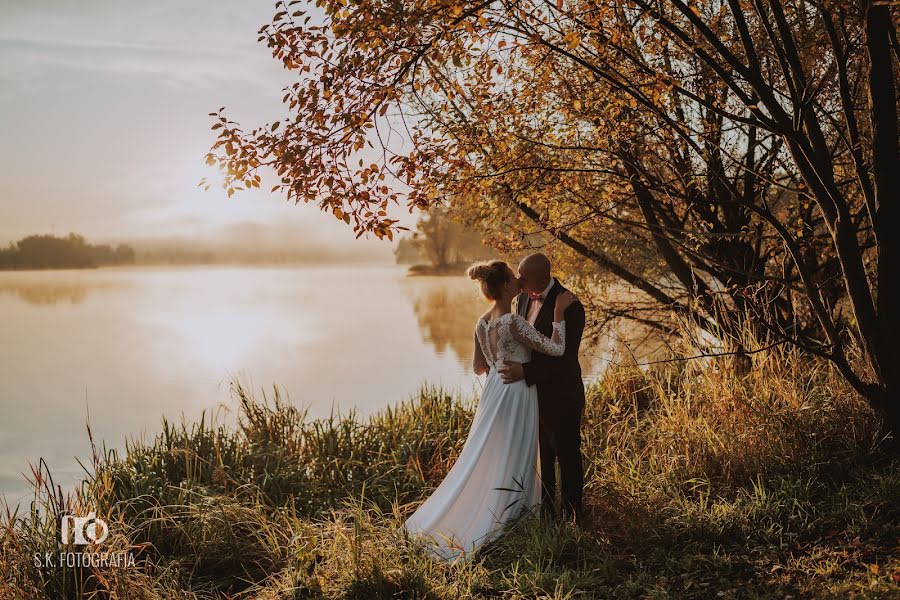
(105, 119)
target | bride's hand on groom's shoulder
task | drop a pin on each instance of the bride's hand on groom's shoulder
(565, 300)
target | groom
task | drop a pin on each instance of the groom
(559, 386)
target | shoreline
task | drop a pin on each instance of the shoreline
(425, 270)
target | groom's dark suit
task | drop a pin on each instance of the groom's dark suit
(560, 402)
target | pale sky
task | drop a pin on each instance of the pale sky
(104, 118)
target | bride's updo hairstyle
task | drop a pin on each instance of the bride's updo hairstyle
(492, 275)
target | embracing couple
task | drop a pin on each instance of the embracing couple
(528, 416)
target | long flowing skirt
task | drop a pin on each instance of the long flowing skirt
(495, 479)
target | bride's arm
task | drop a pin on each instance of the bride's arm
(524, 332)
(479, 362)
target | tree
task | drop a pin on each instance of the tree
(434, 235)
(445, 242)
(407, 252)
(727, 160)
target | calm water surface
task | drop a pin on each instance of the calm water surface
(124, 347)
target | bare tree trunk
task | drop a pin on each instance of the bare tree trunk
(886, 167)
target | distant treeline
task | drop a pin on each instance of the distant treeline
(70, 252)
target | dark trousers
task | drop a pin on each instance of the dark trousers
(560, 440)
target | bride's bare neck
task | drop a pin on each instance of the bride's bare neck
(501, 307)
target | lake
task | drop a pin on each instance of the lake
(123, 347)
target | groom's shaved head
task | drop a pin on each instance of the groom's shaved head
(536, 264)
(534, 272)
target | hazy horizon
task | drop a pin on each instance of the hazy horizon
(106, 122)
(248, 241)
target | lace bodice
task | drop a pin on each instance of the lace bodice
(510, 337)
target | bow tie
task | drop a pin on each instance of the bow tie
(536, 297)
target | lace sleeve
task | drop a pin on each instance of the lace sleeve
(479, 361)
(525, 333)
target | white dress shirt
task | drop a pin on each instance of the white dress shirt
(534, 307)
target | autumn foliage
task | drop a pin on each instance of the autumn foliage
(732, 163)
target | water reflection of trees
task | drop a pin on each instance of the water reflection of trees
(447, 308)
(49, 293)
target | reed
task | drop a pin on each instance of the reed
(700, 483)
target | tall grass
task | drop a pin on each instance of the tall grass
(699, 483)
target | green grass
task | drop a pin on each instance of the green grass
(699, 484)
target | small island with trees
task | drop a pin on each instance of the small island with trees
(47, 251)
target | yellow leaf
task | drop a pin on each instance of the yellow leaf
(577, 104)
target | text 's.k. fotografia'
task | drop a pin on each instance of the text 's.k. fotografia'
(84, 537)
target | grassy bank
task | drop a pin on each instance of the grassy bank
(700, 484)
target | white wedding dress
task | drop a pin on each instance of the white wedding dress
(497, 475)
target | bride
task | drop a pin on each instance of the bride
(497, 475)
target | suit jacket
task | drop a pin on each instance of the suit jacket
(558, 378)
